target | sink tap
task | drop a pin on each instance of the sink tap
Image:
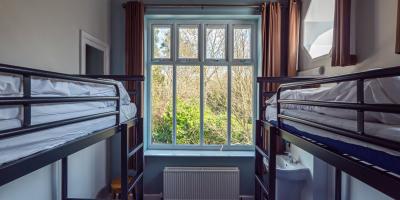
(291, 158)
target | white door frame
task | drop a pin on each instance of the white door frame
(87, 39)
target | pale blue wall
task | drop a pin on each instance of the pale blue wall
(117, 37)
(117, 67)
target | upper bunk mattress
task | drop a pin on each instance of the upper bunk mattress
(376, 91)
(11, 116)
(10, 86)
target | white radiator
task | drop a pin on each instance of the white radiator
(201, 183)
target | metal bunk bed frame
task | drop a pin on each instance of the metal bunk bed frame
(267, 134)
(18, 168)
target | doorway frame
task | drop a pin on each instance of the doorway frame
(88, 39)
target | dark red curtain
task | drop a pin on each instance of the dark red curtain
(134, 30)
(134, 53)
(398, 28)
(293, 37)
(280, 39)
(271, 41)
(341, 55)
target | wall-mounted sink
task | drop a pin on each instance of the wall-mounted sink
(286, 168)
(290, 176)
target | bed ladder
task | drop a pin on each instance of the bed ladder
(127, 184)
(265, 179)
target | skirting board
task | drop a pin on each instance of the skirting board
(246, 197)
(159, 197)
(152, 196)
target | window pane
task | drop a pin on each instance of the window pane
(188, 42)
(242, 43)
(215, 104)
(215, 43)
(242, 104)
(188, 105)
(162, 42)
(161, 103)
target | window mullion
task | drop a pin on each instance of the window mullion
(173, 52)
(229, 110)
(229, 104)
(201, 58)
(174, 104)
(201, 104)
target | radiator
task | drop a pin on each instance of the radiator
(201, 183)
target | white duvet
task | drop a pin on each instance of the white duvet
(376, 91)
(10, 86)
(10, 116)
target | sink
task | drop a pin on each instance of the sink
(290, 170)
(287, 169)
(290, 175)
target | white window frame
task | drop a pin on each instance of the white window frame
(201, 61)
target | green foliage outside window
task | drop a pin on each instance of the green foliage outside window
(215, 93)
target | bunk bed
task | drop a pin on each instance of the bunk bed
(352, 140)
(47, 116)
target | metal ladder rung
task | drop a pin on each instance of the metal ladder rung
(263, 186)
(135, 150)
(135, 181)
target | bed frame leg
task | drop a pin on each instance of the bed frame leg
(140, 160)
(124, 162)
(64, 178)
(257, 167)
(273, 132)
(338, 184)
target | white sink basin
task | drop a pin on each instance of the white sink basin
(285, 169)
(290, 176)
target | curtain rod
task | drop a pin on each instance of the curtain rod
(197, 5)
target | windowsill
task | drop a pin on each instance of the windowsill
(197, 153)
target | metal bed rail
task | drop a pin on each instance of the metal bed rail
(383, 180)
(27, 100)
(263, 94)
(15, 169)
(360, 106)
(376, 177)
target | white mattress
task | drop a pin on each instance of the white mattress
(10, 87)
(10, 117)
(376, 91)
(391, 132)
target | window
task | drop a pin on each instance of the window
(201, 84)
(318, 28)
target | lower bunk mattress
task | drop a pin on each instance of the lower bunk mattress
(381, 158)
